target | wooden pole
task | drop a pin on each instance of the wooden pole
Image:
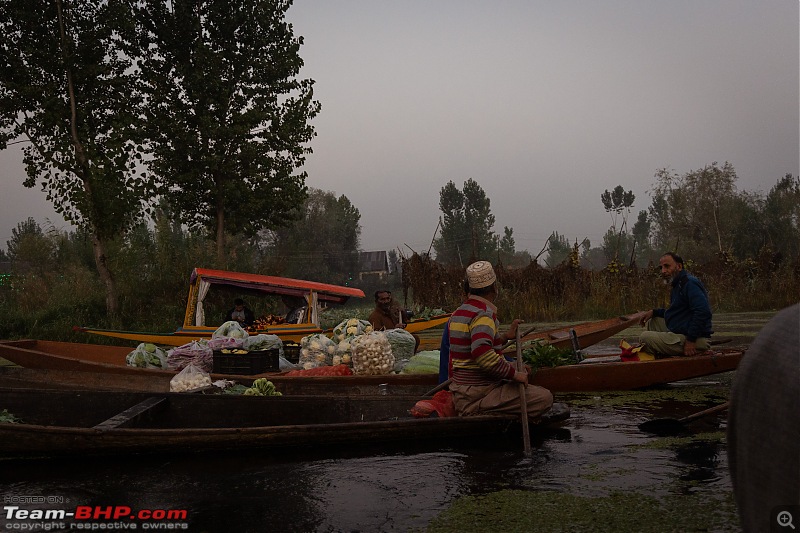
(523, 402)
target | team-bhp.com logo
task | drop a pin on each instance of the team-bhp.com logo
(93, 517)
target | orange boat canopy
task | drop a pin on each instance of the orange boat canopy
(276, 285)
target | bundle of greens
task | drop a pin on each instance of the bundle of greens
(8, 418)
(147, 355)
(540, 354)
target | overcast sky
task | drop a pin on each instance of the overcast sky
(544, 103)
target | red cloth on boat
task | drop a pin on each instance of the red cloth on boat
(441, 403)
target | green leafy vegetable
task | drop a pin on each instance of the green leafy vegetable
(8, 418)
(540, 354)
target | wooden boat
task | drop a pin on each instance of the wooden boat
(586, 333)
(203, 280)
(104, 367)
(101, 422)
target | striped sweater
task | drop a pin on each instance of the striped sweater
(473, 331)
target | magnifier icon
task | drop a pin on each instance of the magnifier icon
(785, 519)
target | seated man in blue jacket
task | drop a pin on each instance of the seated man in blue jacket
(685, 327)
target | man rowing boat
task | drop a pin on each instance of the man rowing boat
(483, 381)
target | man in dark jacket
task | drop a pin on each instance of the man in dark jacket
(685, 327)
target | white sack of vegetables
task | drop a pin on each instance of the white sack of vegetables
(372, 354)
(189, 378)
(262, 341)
(352, 327)
(147, 355)
(344, 352)
(198, 353)
(316, 350)
(230, 330)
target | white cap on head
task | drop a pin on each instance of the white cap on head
(480, 274)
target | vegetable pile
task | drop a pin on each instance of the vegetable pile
(263, 322)
(352, 327)
(344, 334)
(8, 418)
(198, 353)
(426, 362)
(263, 341)
(189, 378)
(262, 387)
(372, 354)
(316, 350)
(402, 342)
(147, 355)
(230, 329)
(541, 354)
(428, 313)
(337, 370)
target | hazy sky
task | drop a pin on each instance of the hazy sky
(544, 103)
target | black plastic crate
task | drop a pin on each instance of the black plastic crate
(291, 351)
(249, 363)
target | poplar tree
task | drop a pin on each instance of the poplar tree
(68, 90)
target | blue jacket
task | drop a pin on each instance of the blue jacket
(689, 312)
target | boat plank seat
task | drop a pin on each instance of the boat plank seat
(128, 416)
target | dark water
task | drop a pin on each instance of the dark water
(398, 488)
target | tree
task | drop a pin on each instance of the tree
(507, 246)
(394, 264)
(782, 215)
(558, 248)
(617, 202)
(68, 87)
(323, 244)
(466, 225)
(641, 239)
(29, 246)
(695, 213)
(228, 120)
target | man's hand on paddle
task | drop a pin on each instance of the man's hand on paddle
(511, 334)
(521, 376)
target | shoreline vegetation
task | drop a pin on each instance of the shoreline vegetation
(47, 299)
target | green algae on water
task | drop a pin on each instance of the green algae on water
(532, 511)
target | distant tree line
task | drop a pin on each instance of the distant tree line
(700, 215)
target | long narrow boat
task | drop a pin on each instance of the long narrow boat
(586, 333)
(101, 422)
(195, 323)
(104, 367)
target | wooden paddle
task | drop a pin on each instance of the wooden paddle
(670, 426)
(523, 402)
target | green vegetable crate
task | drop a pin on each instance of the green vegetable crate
(249, 363)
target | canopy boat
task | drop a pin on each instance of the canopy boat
(203, 279)
(103, 367)
(52, 422)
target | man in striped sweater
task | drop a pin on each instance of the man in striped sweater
(483, 381)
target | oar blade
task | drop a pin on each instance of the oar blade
(664, 427)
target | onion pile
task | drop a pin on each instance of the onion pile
(372, 354)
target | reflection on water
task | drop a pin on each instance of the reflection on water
(396, 488)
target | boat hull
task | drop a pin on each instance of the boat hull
(103, 367)
(76, 423)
